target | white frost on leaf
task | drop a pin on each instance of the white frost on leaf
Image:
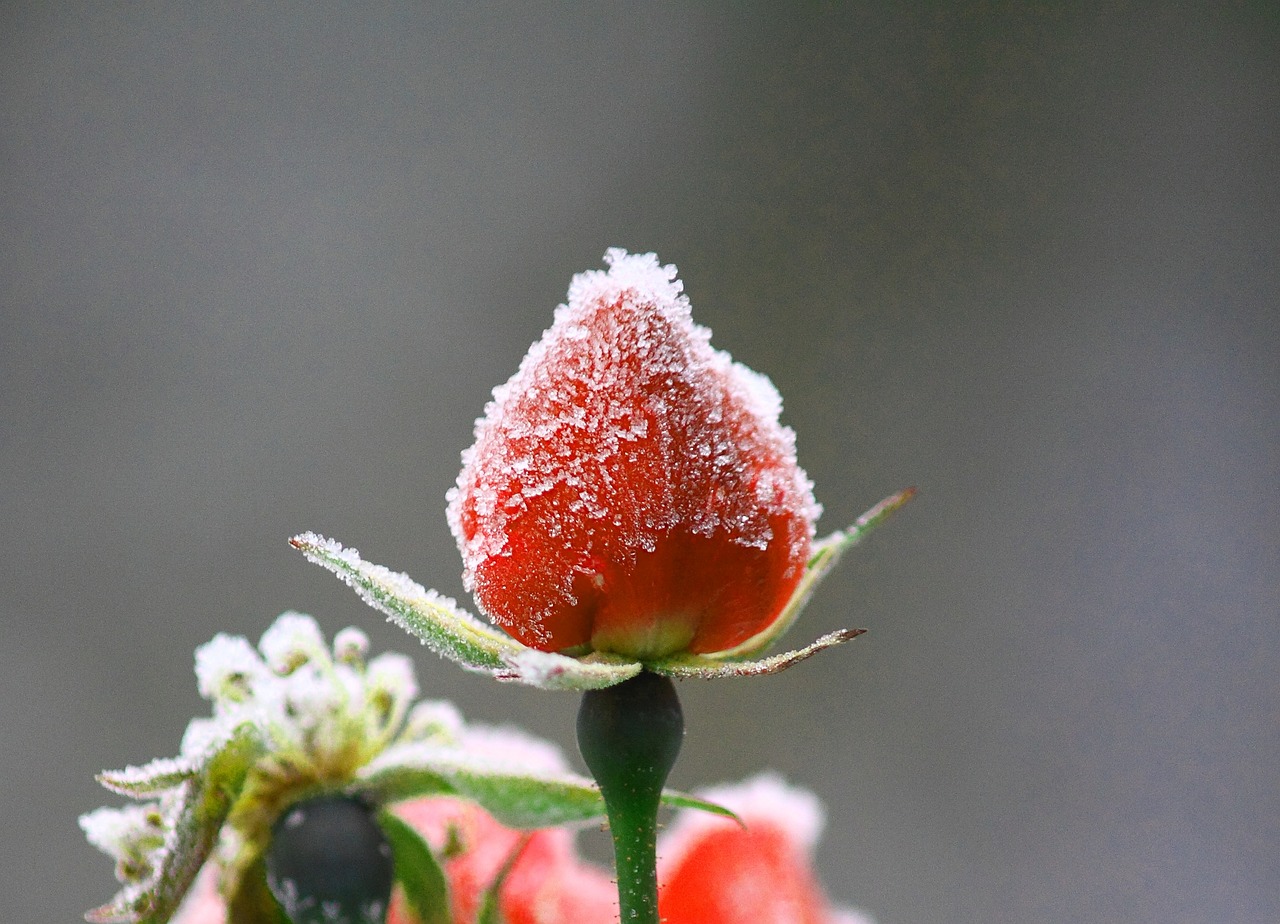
(153, 777)
(118, 832)
(291, 716)
(450, 631)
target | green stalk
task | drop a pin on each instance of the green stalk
(630, 735)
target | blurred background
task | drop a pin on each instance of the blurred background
(261, 264)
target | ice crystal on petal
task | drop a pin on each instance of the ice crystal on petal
(624, 443)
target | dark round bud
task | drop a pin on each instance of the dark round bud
(330, 863)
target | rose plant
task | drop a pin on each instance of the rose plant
(713, 871)
(631, 513)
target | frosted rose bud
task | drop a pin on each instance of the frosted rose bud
(630, 489)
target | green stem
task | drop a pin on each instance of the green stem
(630, 736)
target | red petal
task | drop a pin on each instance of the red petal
(733, 875)
(631, 488)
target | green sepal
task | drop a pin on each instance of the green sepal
(448, 630)
(421, 879)
(822, 558)
(706, 667)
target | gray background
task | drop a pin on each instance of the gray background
(261, 264)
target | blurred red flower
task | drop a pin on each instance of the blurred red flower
(711, 870)
(630, 489)
(544, 879)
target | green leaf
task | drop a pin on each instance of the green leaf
(517, 799)
(436, 620)
(205, 799)
(706, 667)
(675, 799)
(150, 779)
(426, 890)
(449, 631)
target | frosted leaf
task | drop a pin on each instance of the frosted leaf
(204, 737)
(523, 786)
(160, 846)
(121, 832)
(707, 667)
(452, 632)
(825, 554)
(150, 779)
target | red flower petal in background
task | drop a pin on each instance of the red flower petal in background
(630, 488)
(546, 884)
(711, 870)
(714, 871)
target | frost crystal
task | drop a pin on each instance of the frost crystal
(624, 443)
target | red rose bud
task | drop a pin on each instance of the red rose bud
(630, 489)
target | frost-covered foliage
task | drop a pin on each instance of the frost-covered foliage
(631, 500)
(440, 624)
(294, 718)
